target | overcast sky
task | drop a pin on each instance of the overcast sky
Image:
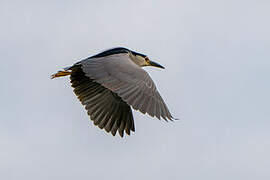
(216, 81)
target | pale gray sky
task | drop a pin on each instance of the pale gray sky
(217, 59)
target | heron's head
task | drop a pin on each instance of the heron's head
(142, 60)
(138, 58)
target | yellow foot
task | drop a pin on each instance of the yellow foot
(60, 74)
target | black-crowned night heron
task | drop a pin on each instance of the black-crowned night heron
(109, 83)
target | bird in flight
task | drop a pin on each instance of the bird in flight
(110, 83)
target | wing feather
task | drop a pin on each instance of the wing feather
(106, 109)
(122, 76)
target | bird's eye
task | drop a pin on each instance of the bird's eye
(147, 59)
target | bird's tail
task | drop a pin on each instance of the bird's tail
(60, 74)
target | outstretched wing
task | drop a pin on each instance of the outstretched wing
(122, 76)
(104, 107)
